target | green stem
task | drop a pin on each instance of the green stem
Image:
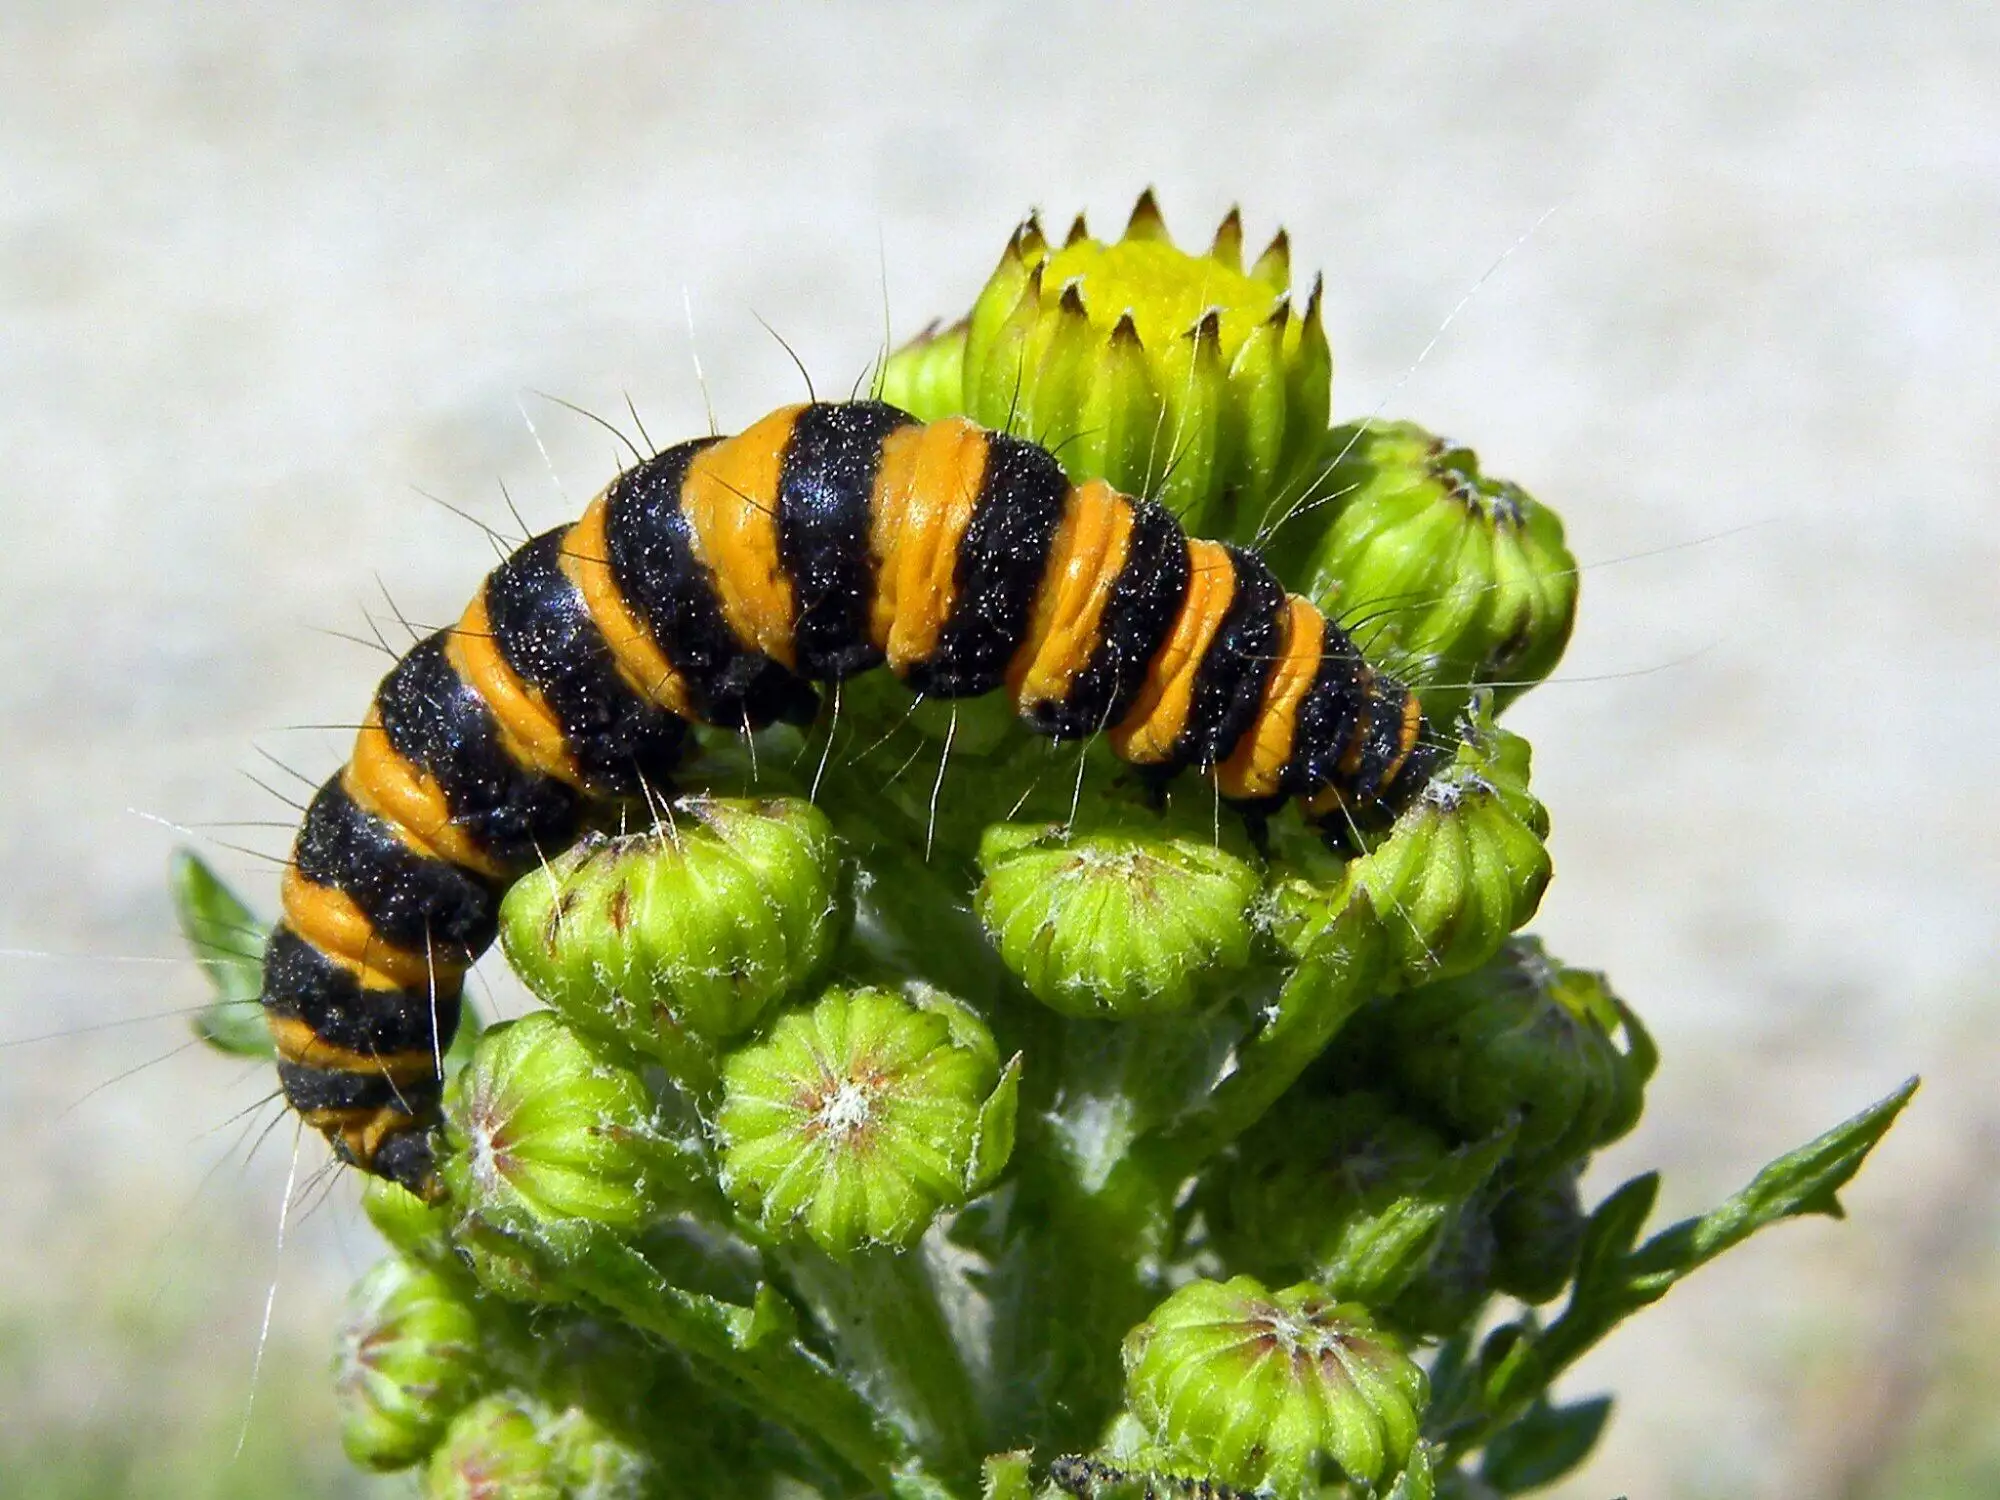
(750, 1353)
(883, 1309)
(1319, 998)
(1076, 1271)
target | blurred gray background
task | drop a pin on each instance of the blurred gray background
(268, 272)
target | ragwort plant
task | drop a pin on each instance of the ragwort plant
(924, 1110)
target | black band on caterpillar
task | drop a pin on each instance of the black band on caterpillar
(303, 983)
(544, 631)
(720, 582)
(439, 723)
(1229, 685)
(824, 488)
(1146, 595)
(1000, 564)
(654, 564)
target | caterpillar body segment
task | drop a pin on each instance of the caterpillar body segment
(720, 582)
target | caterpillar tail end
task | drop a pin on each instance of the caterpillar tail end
(1397, 754)
(405, 1153)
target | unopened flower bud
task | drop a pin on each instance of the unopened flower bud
(498, 1446)
(408, 1361)
(1263, 1388)
(1538, 1230)
(1527, 1043)
(1112, 923)
(547, 1139)
(1464, 580)
(926, 377)
(1346, 1191)
(854, 1122)
(1463, 866)
(1163, 372)
(676, 940)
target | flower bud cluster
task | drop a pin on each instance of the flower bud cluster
(549, 1142)
(408, 1361)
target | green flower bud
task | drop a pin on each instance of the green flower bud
(676, 940)
(497, 1446)
(1463, 866)
(1162, 372)
(1261, 1388)
(926, 377)
(856, 1121)
(1112, 923)
(1345, 1191)
(546, 1139)
(1538, 1230)
(1464, 580)
(408, 1361)
(1527, 1043)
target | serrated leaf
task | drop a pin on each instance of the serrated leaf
(1543, 1445)
(1805, 1181)
(228, 943)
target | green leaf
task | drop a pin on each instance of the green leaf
(1613, 1281)
(1613, 1229)
(228, 943)
(1805, 1181)
(1545, 1444)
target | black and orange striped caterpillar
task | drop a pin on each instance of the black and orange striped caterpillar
(716, 583)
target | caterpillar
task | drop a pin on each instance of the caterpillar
(718, 583)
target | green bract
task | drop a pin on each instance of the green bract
(1167, 374)
(1263, 1388)
(548, 1139)
(408, 1360)
(676, 940)
(926, 377)
(1115, 923)
(857, 1120)
(1463, 580)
